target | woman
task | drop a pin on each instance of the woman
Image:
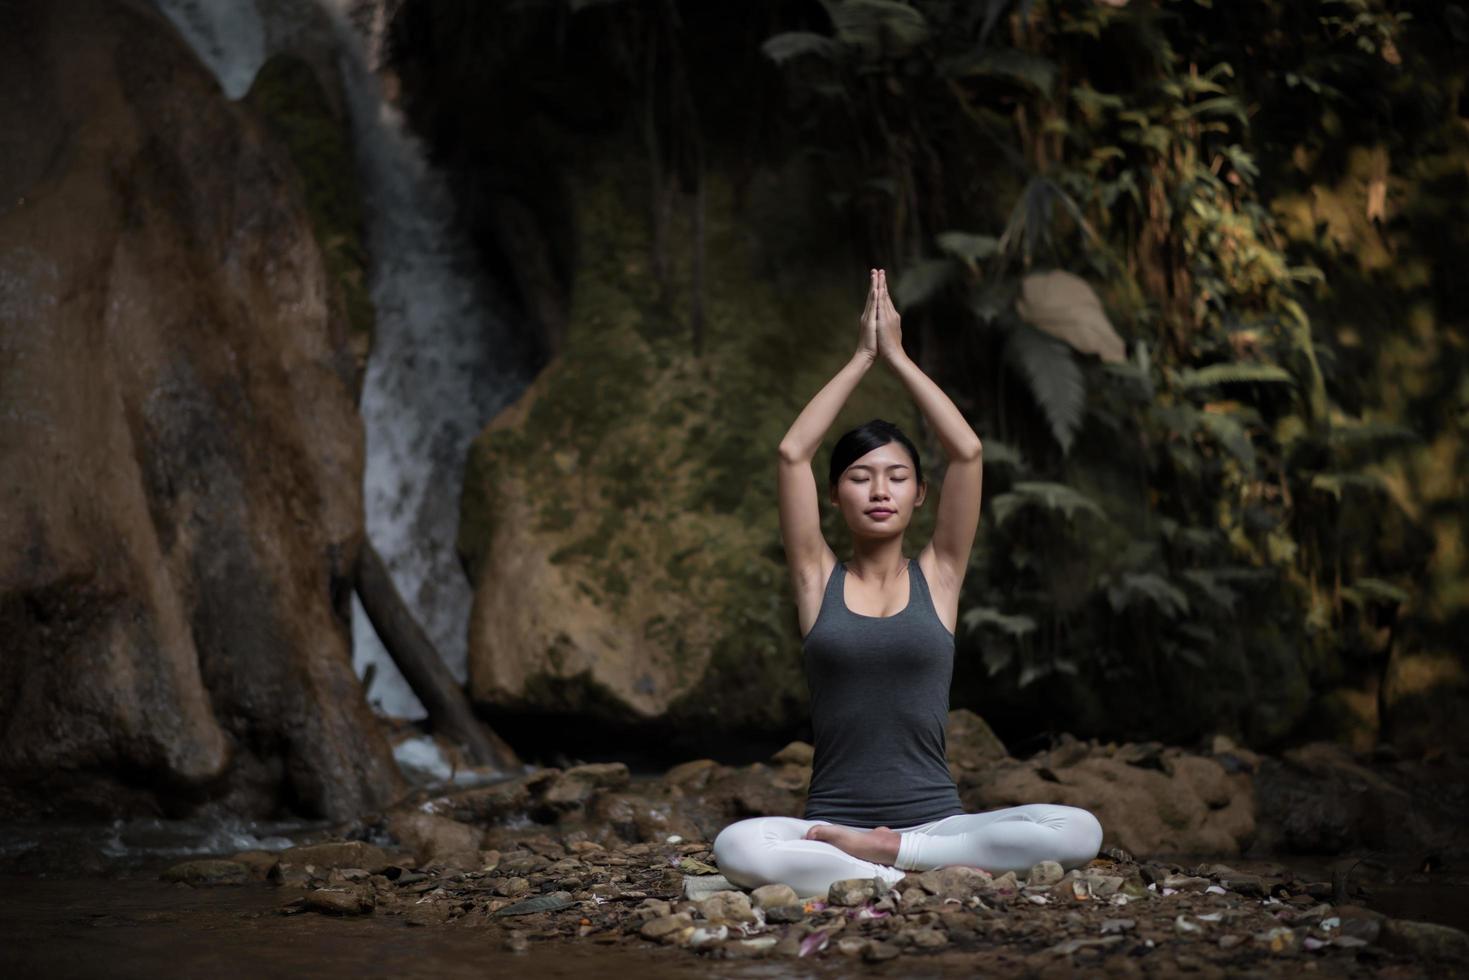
(879, 651)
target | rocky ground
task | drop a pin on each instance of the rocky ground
(589, 855)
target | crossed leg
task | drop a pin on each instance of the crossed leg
(764, 850)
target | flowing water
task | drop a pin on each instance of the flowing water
(444, 359)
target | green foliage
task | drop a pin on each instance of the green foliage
(1132, 147)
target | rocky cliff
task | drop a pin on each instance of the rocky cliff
(180, 454)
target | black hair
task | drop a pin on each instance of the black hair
(862, 440)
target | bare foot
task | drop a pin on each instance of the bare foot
(879, 846)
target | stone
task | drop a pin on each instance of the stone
(854, 891)
(785, 913)
(668, 928)
(259, 863)
(956, 881)
(1424, 939)
(1185, 883)
(1144, 810)
(853, 946)
(334, 901)
(1004, 887)
(770, 896)
(438, 840)
(208, 871)
(691, 775)
(1044, 874)
(877, 952)
(794, 754)
(728, 908)
(181, 452)
(579, 782)
(338, 854)
(1104, 886)
(972, 745)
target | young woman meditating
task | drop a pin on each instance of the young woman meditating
(879, 650)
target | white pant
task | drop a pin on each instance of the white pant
(766, 850)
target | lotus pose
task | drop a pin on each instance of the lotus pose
(879, 652)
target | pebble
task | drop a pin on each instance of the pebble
(1044, 874)
(727, 908)
(854, 891)
(772, 896)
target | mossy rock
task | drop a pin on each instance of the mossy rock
(620, 520)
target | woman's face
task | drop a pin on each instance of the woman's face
(883, 480)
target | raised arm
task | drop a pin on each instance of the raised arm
(807, 553)
(958, 511)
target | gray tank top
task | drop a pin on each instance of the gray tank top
(879, 706)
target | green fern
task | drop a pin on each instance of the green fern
(921, 281)
(1050, 496)
(1054, 378)
(1016, 626)
(792, 44)
(1217, 374)
(1131, 587)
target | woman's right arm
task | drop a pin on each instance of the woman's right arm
(800, 511)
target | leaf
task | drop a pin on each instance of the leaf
(1365, 590)
(990, 299)
(1049, 496)
(963, 245)
(1021, 66)
(692, 866)
(550, 902)
(1224, 105)
(1212, 588)
(791, 44)
(920, 281)
(1131, 587)
(997, 655)
(1335, 483)
(879, 27)
(1011, 625)
(1054, 379)
(1232, 436)
(1238, 372)
(997, 453)
(1067, 308)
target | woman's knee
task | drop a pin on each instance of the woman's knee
(737, 848)
(1083, 838)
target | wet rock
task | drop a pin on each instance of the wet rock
(1044, 874)
(691, 775)
(852, 946)
(338, 854)
(259, 863)
(1110, 926)
(579, 782)
(972, 745)
(1103, 886)
(1185, 883)
(785, 913)
(1003, 888)
(923, 938)
(183, 489)
(955, 882)
(877, 952)
(437, 840)
(854, 891)
(343, 901)
(727, 908)
(669, 928)
(794, 754)
(771, 896)
(513, 887)
(1424, 939)
(208, 871)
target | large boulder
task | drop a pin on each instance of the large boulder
(180, 455)
(619, 519)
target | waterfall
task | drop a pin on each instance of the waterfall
(443, 361)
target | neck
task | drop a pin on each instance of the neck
(877, 561)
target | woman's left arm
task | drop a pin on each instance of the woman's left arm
(958, 509)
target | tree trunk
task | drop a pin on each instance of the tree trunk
(448, 708)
